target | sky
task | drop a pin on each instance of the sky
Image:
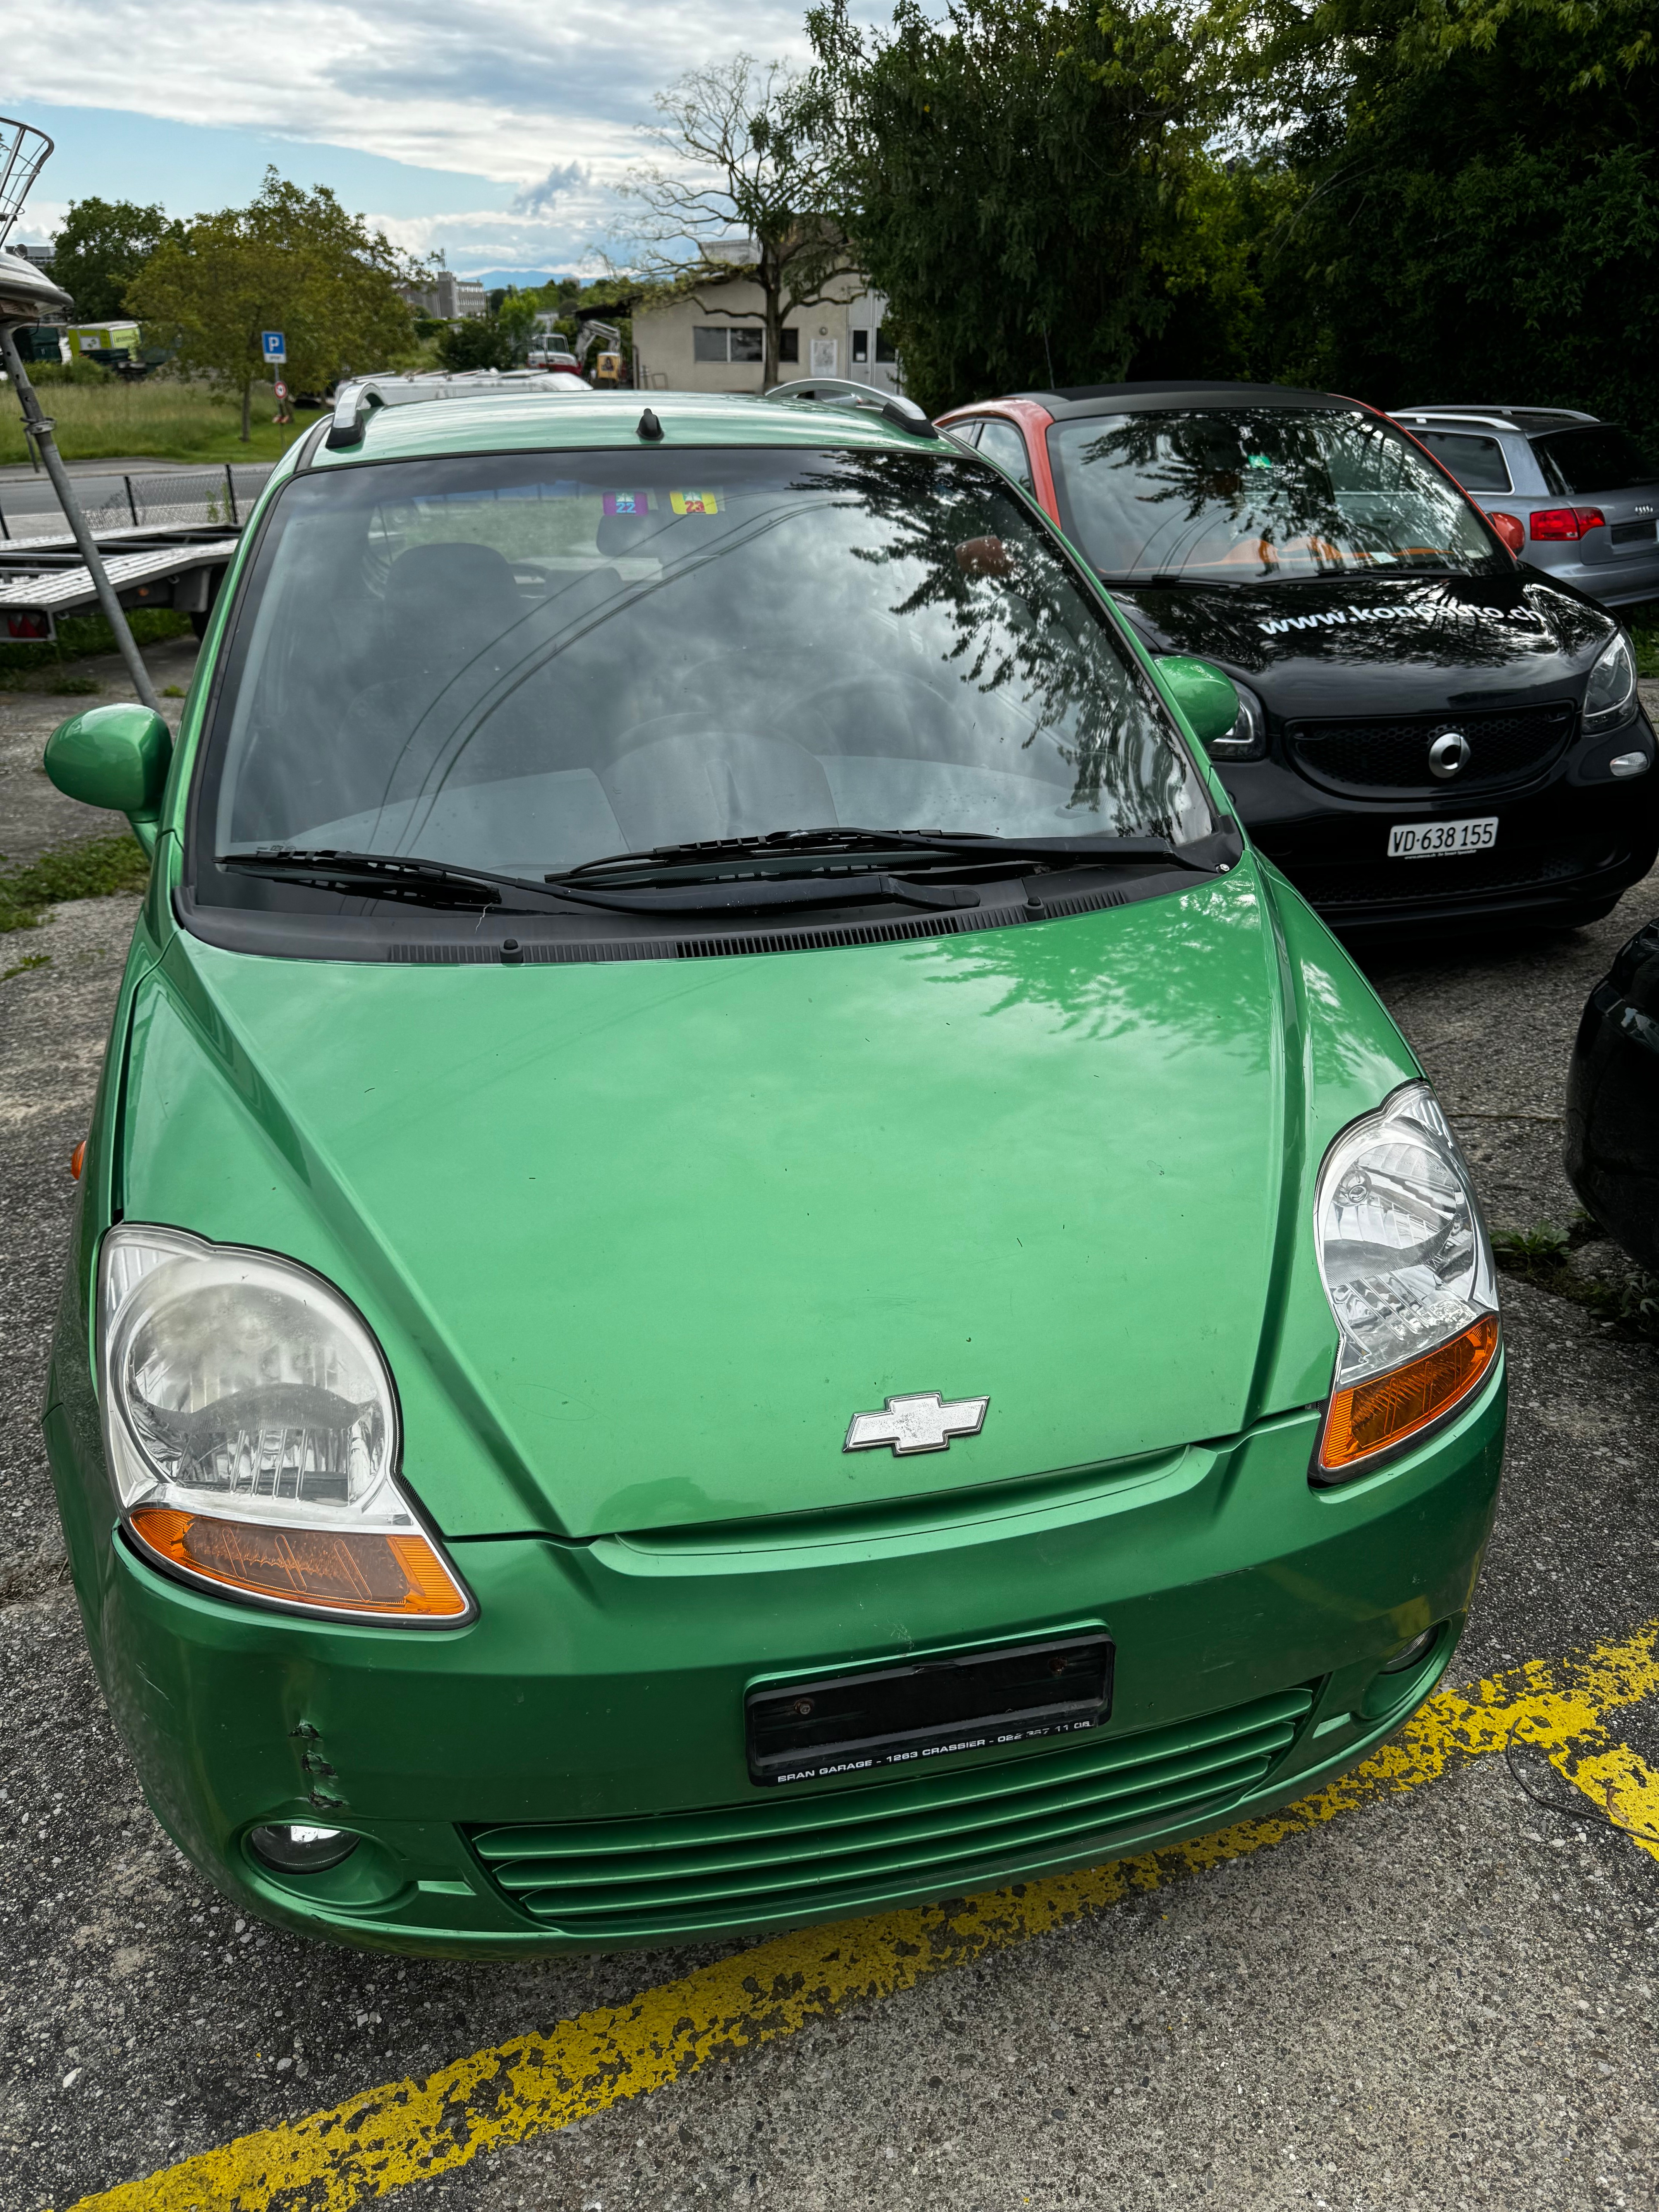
(495, 130)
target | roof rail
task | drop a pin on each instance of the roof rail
(1503, 407)
(358, 397)
(840, 392)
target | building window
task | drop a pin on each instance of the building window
(885, 349)
(788, 345)
(719, 343)
(860, 346)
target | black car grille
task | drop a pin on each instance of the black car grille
(783, 1856)
(1423, 883)
(1391, 754)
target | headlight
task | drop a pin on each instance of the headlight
(1407, 1269)
(251, 1431)
(1611, 697)
(1248, 738)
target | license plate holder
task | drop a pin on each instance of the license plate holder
(1442, 840)
(905, 1715)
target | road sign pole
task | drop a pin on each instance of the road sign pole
(40, 432)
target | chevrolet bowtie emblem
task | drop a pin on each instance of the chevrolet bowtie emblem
(923, 1421)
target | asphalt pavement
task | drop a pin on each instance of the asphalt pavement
(1443, 1996)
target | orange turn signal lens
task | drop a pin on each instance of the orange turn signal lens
(1376, 1414)
(351, 1570)
(78, 1159)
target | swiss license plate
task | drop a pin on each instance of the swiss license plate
(898, 1715)
(1433, 841)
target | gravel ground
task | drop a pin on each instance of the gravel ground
(1440, 2001)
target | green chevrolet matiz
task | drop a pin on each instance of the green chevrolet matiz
(737, 1262)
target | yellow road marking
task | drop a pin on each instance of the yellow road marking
(407, 2132)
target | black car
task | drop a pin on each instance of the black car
(1431, 732)
(1612, 1100)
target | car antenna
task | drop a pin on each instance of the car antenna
(649, 426)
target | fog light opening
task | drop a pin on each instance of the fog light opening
(1410, 1653)
(299, 1847)
(1623, 764)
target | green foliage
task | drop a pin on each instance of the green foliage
(293, 261)
(101, 248)
(1406, 199)
(84, 633)
(95, 868)
(1469, 196)
(479, 343)
(1643, 623)
(1026, 184)
(85, 375)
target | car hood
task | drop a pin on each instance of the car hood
(1356, 647)
(640, 1238)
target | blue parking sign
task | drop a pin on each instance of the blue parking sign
(275, 344)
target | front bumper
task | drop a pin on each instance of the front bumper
(1567, 845)
(568, 1771)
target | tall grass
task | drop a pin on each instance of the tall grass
(162, 417)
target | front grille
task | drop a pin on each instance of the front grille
(782, 1857)
(1391, 753)
(1417, 882)
(1633, 533)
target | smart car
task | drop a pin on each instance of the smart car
(1431, 735)
(736, 1260)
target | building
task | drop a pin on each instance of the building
(447, 298)
(713, 340)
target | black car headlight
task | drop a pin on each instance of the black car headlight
(1610, 697)
(1248, 738)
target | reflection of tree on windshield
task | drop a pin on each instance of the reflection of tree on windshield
(1258, 495)
(1028, 634)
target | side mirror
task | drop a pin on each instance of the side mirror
(117, 757)
(1208, 699)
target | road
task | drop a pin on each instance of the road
(1441, 1996)
(115, 491)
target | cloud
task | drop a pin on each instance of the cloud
(482, 90)
(561, 181)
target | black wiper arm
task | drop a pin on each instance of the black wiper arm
(1204, 855)
(441, 883)
(385, 875)
(828, 841)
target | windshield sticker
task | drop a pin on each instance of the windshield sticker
(695, 502)
(627, 502)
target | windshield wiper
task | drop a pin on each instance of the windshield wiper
(1204, 855)
(442, 884)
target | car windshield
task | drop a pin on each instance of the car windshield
(523, 663)
(1247, 495)
(1600, 459)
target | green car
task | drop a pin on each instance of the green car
(736, 1261)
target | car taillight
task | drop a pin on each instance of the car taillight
(1508, 527)
(1558, 522)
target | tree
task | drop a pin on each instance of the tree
(1011, 179)
(293, 261)
(746, 191)
(480, 341)
(100, 247)
(1468, 195)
